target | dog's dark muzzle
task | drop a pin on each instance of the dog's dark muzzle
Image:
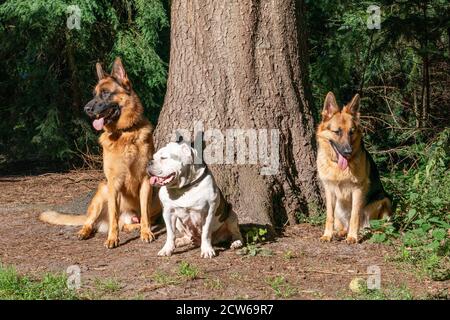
(97, 107)
(344, 149)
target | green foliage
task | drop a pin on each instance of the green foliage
(423, 209)
(256, 235)
(314, 220)
(281, 287)
(346, 55)
(252, 250)
(106, 286)
(424, 190)
(392, 293)
(187, 270)
(214, 284)
(50, 287)
(48, 70)
(254, 238)
(382, 231)
(164, 279)
(288, 255)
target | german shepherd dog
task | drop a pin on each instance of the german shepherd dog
(126, 196)
(353, 190)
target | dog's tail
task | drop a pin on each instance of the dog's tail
(54, 217)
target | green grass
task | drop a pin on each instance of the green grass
(392, 293)
(187, 270)
(314, 220)
(50, 287)
(289, 255)
(164, 279)
(184, 272)
(107, 286)
(236, 276)
(214, 284)
(252, 250)
(281, 287)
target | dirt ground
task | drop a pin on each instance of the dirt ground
(311, 269)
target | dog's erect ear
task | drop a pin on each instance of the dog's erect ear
(330, 106)
(180, 138)
(353, 106)
(100, 73)
(187, 154)
(119, 73)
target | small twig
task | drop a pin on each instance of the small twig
(215, 270)
(46, 174)
(334, 273)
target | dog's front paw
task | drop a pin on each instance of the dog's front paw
(112, 243)
(166, 251)
(325, 238)
(207, 252)
(236, 244)
(84, 233)
(351, 240)
(147, 236)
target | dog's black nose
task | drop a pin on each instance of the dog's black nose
(347, 151)
(89, 107)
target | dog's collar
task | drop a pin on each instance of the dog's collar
(195, 181)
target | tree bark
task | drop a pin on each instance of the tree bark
(243, 64)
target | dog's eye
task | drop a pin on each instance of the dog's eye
(163, 158)
(105, 94)
(338, 132)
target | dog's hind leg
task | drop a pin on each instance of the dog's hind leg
(130, 227)
(376, 210)
(183, 241)
(97, 206)
(386, 210)
(186, 236)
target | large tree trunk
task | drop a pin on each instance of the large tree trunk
(243, 64)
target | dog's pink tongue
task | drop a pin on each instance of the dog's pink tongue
(155, 180)
(98, 124)
(342, 162)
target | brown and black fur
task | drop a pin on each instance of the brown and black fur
(354, 195)
(127, 144)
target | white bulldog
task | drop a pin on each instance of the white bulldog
(192, 202)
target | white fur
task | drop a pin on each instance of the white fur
(190, 200)
(125, 218)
